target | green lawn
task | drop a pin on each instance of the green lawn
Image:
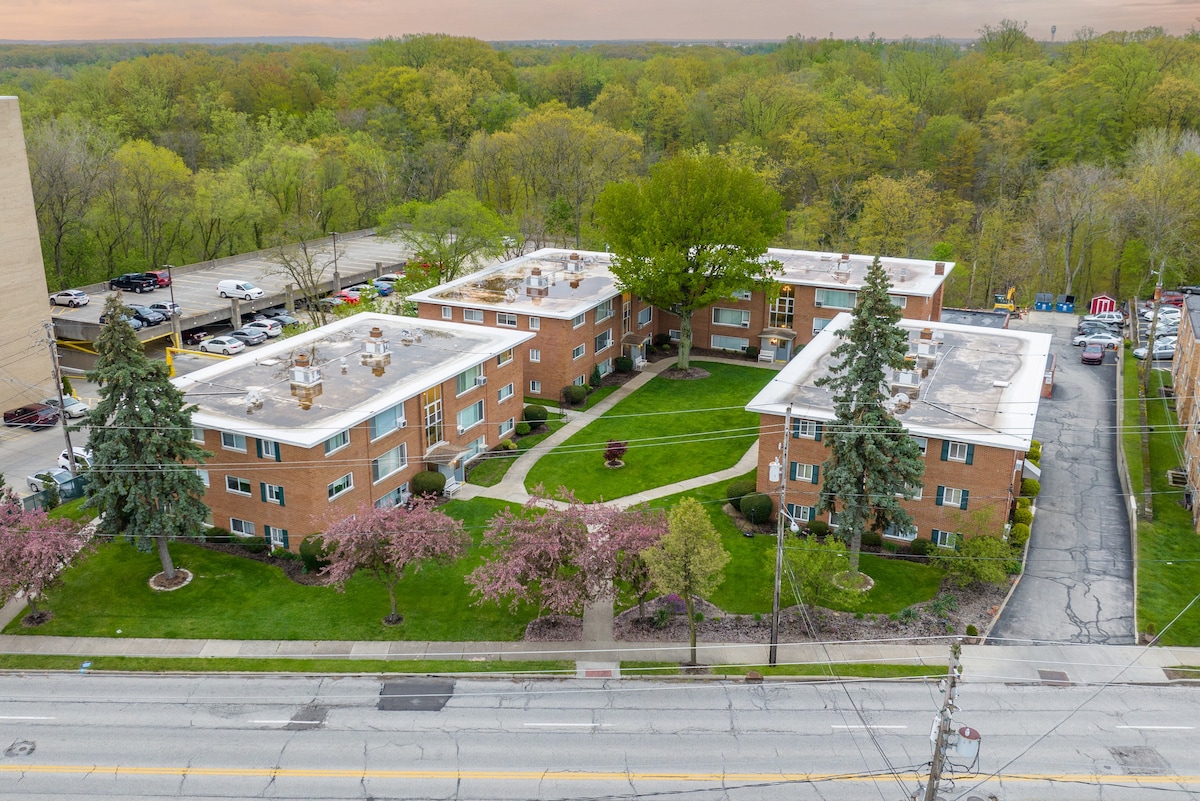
(675, 430)
(226, 665)
(237, 598)
(491, 471)
(74, 510)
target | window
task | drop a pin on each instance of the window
(735, 317)
(801, 514)
(473, 315)
(337, 442)
(950, 496)
(806, 429)
(535, 323)
(203, 475)
(233, 442)
(535, 387)
(578, 351)
(198, 435)
(447, 313)
(476, 446)
(896, 533)
(341, 486)
(922, 443)
(394, 460)
(898, 300)
(605, 367)
(742, 294)
(243, 527)
(272, 493)
(468, 379)
(504, 358)
(579, 380)
(507, 426)
(834, 299)
(819, 324)
(730, 343)
(387, 421)
(805, 472)
(912, 493)
(431, 405)
(277, 536)
(506, 319)
(782, 311)
(504, 393)
(834, 520)
(535, 354)
(268, 449)
(470, 416)
(957, 452)
(578, 321)
(675, 334)
(238, 485)
(604, 310)
(396, 497)
(603, 341)
(944, 539)
(645, 316)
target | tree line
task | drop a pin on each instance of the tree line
(1068, 168)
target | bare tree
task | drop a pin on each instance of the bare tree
(306, 264)
(1070, 214)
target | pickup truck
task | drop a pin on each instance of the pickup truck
(133, 282)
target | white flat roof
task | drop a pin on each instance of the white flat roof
(424, 353)
(916, 277)
(984, 387)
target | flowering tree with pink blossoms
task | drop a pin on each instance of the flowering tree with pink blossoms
(385, 541)
(561, 554)
(34, 550)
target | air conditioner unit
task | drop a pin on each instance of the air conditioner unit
(744, 324)
(461, 431)
(818, 303)
(403, 424)
(480, 380)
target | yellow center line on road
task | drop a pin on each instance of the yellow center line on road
(576, 775)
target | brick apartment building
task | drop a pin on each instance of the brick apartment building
(1186, 381)
(346, 414)
(970, 399)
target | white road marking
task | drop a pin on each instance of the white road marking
(558, 725)
(25, 717)
(867, 726)
(1168, 728)
(282, 721)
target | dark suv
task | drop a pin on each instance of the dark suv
(32, 415)
(133, 282)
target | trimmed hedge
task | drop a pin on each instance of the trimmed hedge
(662, 340)
(872, 539)
(313, 552)
(738, 489)
(752, 351)
(574, 394)
(1023, 502)
(1018, 535)
(623, 364)
(819, 528)
(920, 547)
(218, 534)
(535, 414)
(1024, 516)
(1030, 487)
(253, 544)
(756, 507)
(522, 428)
(428, 482)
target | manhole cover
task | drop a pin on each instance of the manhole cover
(1054, 678)
(310, 717)
(1139, 760)
(415, 695)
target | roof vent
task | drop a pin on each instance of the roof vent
(377, 352)
(903, 272)
(305, 380)
(536, 284)
(575, 263)
(510, 295)
(939, 268)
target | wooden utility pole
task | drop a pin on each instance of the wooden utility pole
(779, 534)
(62, 408)
(943, 724)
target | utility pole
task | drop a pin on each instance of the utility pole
(779, 531)
(175, 332)
(62, 409)
(943, 724)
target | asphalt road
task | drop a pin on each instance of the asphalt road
(1078, 582)
(104, 737)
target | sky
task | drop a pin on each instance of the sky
(506, 20)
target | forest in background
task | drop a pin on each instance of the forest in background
(1068, 168)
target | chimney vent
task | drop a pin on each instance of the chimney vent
(939, 268)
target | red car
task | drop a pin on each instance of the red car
(1092, 354)
(32, 415)
(346, 296)
(163, 277)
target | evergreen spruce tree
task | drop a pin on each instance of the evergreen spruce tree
(144, 481)
(872, 458)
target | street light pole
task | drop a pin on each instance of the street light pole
(779, 531)
(337, 278)
(62, 407)
(174, 317)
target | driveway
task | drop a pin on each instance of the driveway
(1078, 582)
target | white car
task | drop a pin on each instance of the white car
(167, 309)
(390, 278)
(69, 297)
(83, 459)
(271, 328)
(239, 289)
(1107, 317)
(1099, 338)
(71, 407)
(54, 475)
(1161, 351)
(1164, 313)
(223, 345)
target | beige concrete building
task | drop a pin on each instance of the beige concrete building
(26, 372)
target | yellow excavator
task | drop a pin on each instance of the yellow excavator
(1005, 302)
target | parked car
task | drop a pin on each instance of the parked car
(161, 277)
(1164, 313)
(1116, 317)
(225, 345)
(128, 317)
(1171, 298)
(346, 296)
(167, 309)
(194, 336)
(272, 328)
(284, 319)
(133, 282)
(73, 407)
(1161, 351)
(1093, 326)
(146, 315)
(249, 336)
(1190, 290)
(70, 297)
(1101, 338)
(31, 415)
(390, 278)
(83, 459)
(57, 475)
(239, 289)
(1092, 354)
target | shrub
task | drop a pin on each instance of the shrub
(1023, 516)
(283, 553)
(66, 386)
(872, 539)
(428, 482)
(1018, 535)
(920, 547)
(972, 631)
(662, 340)
(218, 534)
(891, 547)
(819, 528)
(574, 395)
(595, 378)
(1023, 502)
(623, 364)
(752, 351)
(738, 489)
(507, 445)
(313, 552)
(615, 450)
(756, 507)
(535, 414)
(1034, 454)
(1030, 487)
(254, 544)
(522, 429)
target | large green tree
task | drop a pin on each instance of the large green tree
(143, 478)
(453, 234)
(873, 462)
(692, 233)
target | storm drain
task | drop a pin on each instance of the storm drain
(1054, 678)
(415, 695)
(1140, 760)
(310, 717)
